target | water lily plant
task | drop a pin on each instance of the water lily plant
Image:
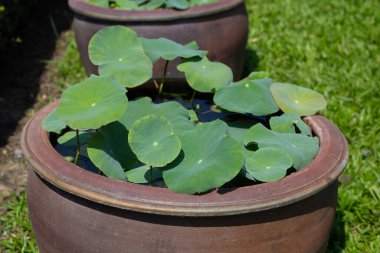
(149, 4)
(244, 132)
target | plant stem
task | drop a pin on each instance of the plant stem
(78, 147)
(163, 78)
(151, 175)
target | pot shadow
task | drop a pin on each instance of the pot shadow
(251, 62)
(337, 241)
(25, 58)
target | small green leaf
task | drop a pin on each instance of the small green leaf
(173, 111)
(211, 158)
(92, 103)
(286, 124)
(153, 141)
(152, 5)
(141, 174)
(70, 138)
(109, 150)
(252, 96)
(177, 4)
(119, 52)
(300, 147)
(204, 75)
(268, 164)
(52, 123)
(297, 100)
(101, 3)
(257, 75)
(169, 50)
(200, 2)
(127, 5)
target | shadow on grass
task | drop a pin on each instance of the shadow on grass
(24, 58)
(251, 62)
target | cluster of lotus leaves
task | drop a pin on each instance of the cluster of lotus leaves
(149, 4)
(141, 141)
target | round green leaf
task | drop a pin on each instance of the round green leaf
(267, 164)
(52, 123)
(200, 2)
(204, 75)
(210, 159)
(252, 96)
(109, 150)
(297, 100)
(257, 75)
(169, 50)
(177, 4)
(70, 138)
(286, 124)
(92, 103)
(101, 3)
(119, 52)
(173, 111)
(141, 174)
(300, 147)
(153, 141)
(152, 5)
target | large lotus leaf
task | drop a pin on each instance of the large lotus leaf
(127, 5)
(177, 4)
(206, 76)
(211, 158)
(251, 96)
(153, 141)
(238, 129)
(52, 123)
(70, 138)
(172, 111)
(286, 124)
(297, 100)
(109, 150)
(267, 164)
(300, 147)
(117, 49)
(92, 103)
(129, 72)
(169, 50)
(142, 174)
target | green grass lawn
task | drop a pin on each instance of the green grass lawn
(331, 46)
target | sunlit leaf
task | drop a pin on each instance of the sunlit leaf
(70, 138)
(300, 147)
(92, 103)
(177, 4)
(153, 140)
(169, 50)
(119, 52)
(297, 100)
(109, 150)
(52, 123)
(267, 164)
(287, 123)
(210, 159)
(142, 174)
(206, 76)
(173, 111)
(251, 96)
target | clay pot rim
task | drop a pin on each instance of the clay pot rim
(81, 7)
(320, 173)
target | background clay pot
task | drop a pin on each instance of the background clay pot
(221, 28)
(74, 210)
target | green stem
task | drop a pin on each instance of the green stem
(163, 78)
(78, 147)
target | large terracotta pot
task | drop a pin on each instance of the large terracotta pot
(74, 210)
(221, 28)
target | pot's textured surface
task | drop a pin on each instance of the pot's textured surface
(221, 28)
(74, 210)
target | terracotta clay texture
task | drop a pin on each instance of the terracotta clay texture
(221, 28)
(74, 210)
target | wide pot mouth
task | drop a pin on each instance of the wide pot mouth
(319, 174)
(92, 11)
